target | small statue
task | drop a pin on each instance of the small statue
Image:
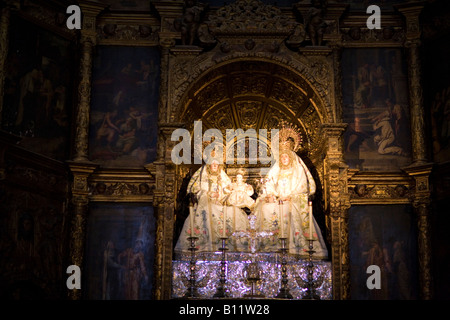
(240, 192)
(189, 24)
(315, 23)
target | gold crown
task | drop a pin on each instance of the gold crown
(289, 137)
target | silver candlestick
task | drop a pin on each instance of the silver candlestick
(284, 290)
(221, 290)
(192, 291)
(310, 285)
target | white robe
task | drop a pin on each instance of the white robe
(206, 218)
(295, 183)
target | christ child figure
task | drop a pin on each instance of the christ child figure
(240, 192)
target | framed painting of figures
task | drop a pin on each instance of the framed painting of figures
(120, 252)
(38, 89)
(375, 103)
(383, 236)
(124, 106)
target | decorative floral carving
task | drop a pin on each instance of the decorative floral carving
(380, 191)
(127, 32)
(120, 188)
(386, 34)
(249, 16)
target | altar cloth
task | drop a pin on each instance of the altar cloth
(208, 266)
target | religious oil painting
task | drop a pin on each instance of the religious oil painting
(384, 236)
(124, 106)
(38, 89)
(120, 252)
(376, 109)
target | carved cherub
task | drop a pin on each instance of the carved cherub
(315, 22)
(189, 23)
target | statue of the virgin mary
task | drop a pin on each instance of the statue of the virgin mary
(283, 207)
(212, 216)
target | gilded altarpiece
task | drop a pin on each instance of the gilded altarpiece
(250, 58)
(250, 80)
(238, 73)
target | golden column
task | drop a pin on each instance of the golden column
(88, 39)
(421, 204)
(337, 202)
(80, 201)
(420, 169)
(81, 168)
(411, 12)
(164, 194)
(164, 201)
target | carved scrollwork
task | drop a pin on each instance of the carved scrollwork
(368, 191)
(116, 189)
(221, 118)
(211, 95)
(134, 184)
(252, 84)
(387, 34)
(289, 95)
(247, 111)
(127, 32)
(321, 70)
(249, 16)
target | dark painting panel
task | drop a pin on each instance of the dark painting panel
(124, 106)
(120, 252)
(33, 243)
(376, 108)
(437, 95)
(384, 236)
(38, 89)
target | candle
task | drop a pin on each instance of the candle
(191, 218)
(224, 222)
(282, 219)
(310, 220)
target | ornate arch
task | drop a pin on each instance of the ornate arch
(312, 70)
(253, 92)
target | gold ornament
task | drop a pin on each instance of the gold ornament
(289, 137)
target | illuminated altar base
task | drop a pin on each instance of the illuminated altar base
(208, 275)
